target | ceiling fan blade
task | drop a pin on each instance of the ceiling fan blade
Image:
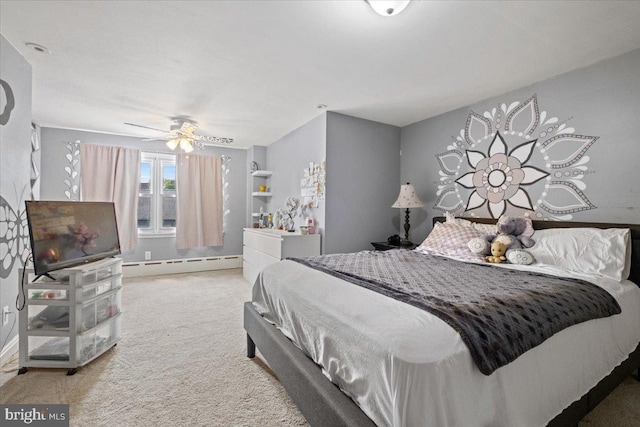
(156, 139)
(213, 139)
(188, 128)
(145, 127)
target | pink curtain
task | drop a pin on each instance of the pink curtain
(112, 174)
(199, 200)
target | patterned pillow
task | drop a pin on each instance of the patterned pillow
(451, 218)
(485, 228)
(450, 239)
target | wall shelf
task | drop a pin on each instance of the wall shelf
(259, 199)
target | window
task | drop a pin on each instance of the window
(157, 194)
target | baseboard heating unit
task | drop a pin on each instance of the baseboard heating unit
(184, 265)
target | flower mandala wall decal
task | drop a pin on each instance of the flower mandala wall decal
(528, 164)
(497, 180)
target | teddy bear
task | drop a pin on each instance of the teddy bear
(515, 233)
(498, 250)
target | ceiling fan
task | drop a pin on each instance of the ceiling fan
(181, 133)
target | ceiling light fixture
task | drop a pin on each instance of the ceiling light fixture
(388, 7)
(185, 144)
(38, 48)
(321, 106)
(173, 143)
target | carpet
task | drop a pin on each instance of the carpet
(181, 362)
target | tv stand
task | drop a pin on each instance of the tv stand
(47, 275)
(73, 318)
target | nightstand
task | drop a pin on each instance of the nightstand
(385, 246)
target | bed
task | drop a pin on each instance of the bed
(551, 384)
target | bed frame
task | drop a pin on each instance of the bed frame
(323, 404)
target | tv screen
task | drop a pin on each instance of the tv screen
(65, 234)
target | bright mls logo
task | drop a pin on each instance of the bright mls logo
(35, 415)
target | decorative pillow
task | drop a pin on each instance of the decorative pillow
(602, 252)
(518, 256)
(450, 239)
(478, 245)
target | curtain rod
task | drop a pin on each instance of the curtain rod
(78, 142)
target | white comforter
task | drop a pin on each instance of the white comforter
(406, 367)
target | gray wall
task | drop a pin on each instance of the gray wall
(287, 158)
(601, 100)
(15, 157)
(53, 188)
(363, 181)
(362, 178)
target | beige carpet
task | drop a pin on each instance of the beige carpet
(181, 362)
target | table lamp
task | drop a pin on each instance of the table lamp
(407, 199)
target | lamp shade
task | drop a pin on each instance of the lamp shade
(186, 145)
(408, 198)
(173, 143)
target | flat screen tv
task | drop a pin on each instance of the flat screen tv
(65, 234)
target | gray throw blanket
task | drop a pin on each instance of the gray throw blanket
(499, 313)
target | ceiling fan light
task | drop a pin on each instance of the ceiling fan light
(186, 145)
(388, 7)
(172, 143)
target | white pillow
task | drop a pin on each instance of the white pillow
(604, 252)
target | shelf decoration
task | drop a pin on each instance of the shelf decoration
(312, 185)
(286, 214)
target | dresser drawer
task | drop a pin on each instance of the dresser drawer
(271, 246)
(251, 255)
(249, 272)
(250, 239)
(266, 260)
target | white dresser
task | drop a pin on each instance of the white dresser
(265, 246)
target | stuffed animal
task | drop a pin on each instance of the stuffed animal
(498, 250)
(515, 233)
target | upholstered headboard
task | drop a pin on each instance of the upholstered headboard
(542, 225)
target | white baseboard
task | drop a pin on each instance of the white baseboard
(185, 265)
(9, 351)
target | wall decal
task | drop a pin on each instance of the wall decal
(14, 234)
(9, 106)
(35, 162)
(515, 160)
(226, 160)
(72, 181)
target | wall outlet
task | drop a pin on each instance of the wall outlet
(147, 255)
(5, 315)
